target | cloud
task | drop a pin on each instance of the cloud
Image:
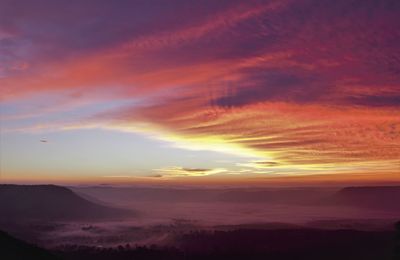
(298, 83)
(175, 171)
(375, 101)
(155, 176)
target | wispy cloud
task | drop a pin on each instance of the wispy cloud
(297, 84)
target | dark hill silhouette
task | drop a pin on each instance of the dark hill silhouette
(384, 198)
(50, 202)
(307, 244)
(255, 244)
(15, 249)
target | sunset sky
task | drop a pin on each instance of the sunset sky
(107, 91)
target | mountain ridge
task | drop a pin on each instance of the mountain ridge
(50, 202)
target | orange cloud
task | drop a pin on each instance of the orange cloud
(300, 136)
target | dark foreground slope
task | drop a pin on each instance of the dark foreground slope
(14, 249)
(299, 244)
(246, 244)
(383, 198)
(50, 202)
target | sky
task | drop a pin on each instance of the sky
(199, 91)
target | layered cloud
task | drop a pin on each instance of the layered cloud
(175, 171)
(302, 85)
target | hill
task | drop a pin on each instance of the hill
(382, 197)
(50, 202)
(15, 249)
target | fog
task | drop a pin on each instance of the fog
(163, 214)
(210, 207)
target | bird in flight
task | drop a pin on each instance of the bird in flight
(43, 140)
